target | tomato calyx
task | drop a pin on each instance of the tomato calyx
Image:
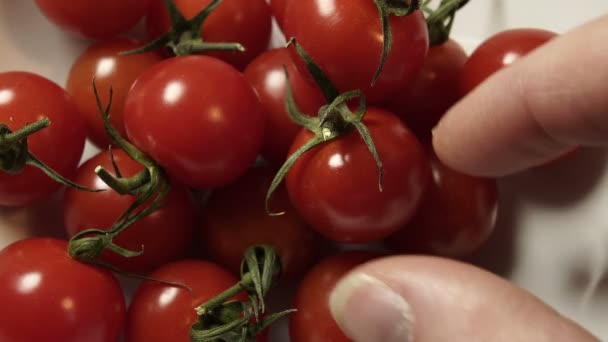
(184, 36)
(334, 120)
(150, 187)
(224, 319)
(15, 155)
(399, 8)
(440, 20)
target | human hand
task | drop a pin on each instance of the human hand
(554, 99)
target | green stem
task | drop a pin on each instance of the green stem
(441, 20)
(222, 297)
(13, 137)
(190, 47)
(123, 186)
(33, 161)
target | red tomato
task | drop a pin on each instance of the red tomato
(436, 88)
(94, 19)
(198, 117)
(278, 10)
(344, 39)
(335, 186)
(226, 235)
(161, 313)
(455, 218)
(499, 51)
(52, 297)
(313, 321)
(236, 21)
(26, 98)
(102, 62)
(267, 76)
(164, 235)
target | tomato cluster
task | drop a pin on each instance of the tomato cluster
(189, 172)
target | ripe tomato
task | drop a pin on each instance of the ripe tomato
(237, 21)
(52, 297)
(94, 19)
(344, 39)
(313, 321)
(278, 10)
(335, 186)
(102, 62)
(198, 117)
(164, 235)
(436, 88)
(161, 313)
(226, 236)
(455, 218)
(26, 98)
(499, 51)
(267, 77)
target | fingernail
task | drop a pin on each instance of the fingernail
(368, 310)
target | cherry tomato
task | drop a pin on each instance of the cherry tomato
(344, 39)
(335, 186)
(102, 62)
(278, 10)
(499, 51)
(161, 313)
(26, 98)
(226, 235)
(51, 297)
(455, 218)
(436, 88)
(313, 321)
(94, 19)
(237, 21)
(267, 77)
(198, 117)
(164, 235)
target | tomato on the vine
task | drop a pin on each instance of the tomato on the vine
(161, 313)
(94, 19)
(164, 235)
(24, 99)
(227, 234)
(499, 51)
(240, 21)
(344, 37)
(198, 117)
(312, 321)
(102, 62)
(52, 297)
(335, 187)
(436, 88)
(456, 216)
(267, 76)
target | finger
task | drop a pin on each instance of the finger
(533, 111)
(424, 299)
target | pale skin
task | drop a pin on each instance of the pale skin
(554, 99)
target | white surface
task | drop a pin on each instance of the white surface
(552, 234)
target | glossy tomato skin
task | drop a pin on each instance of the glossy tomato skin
(242, 21)
(26, 98)
(161, 313)
(227, 235)
(278, 10)
(456, 217)
(436, 88)
(198, 117)
(52, 297)
(313, 322)
(267, 77)
(102, 62)
(335, 186)
(499, 51)
(342, 37)
(164, 235)
(94, 19)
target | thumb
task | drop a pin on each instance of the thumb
(425, 299)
